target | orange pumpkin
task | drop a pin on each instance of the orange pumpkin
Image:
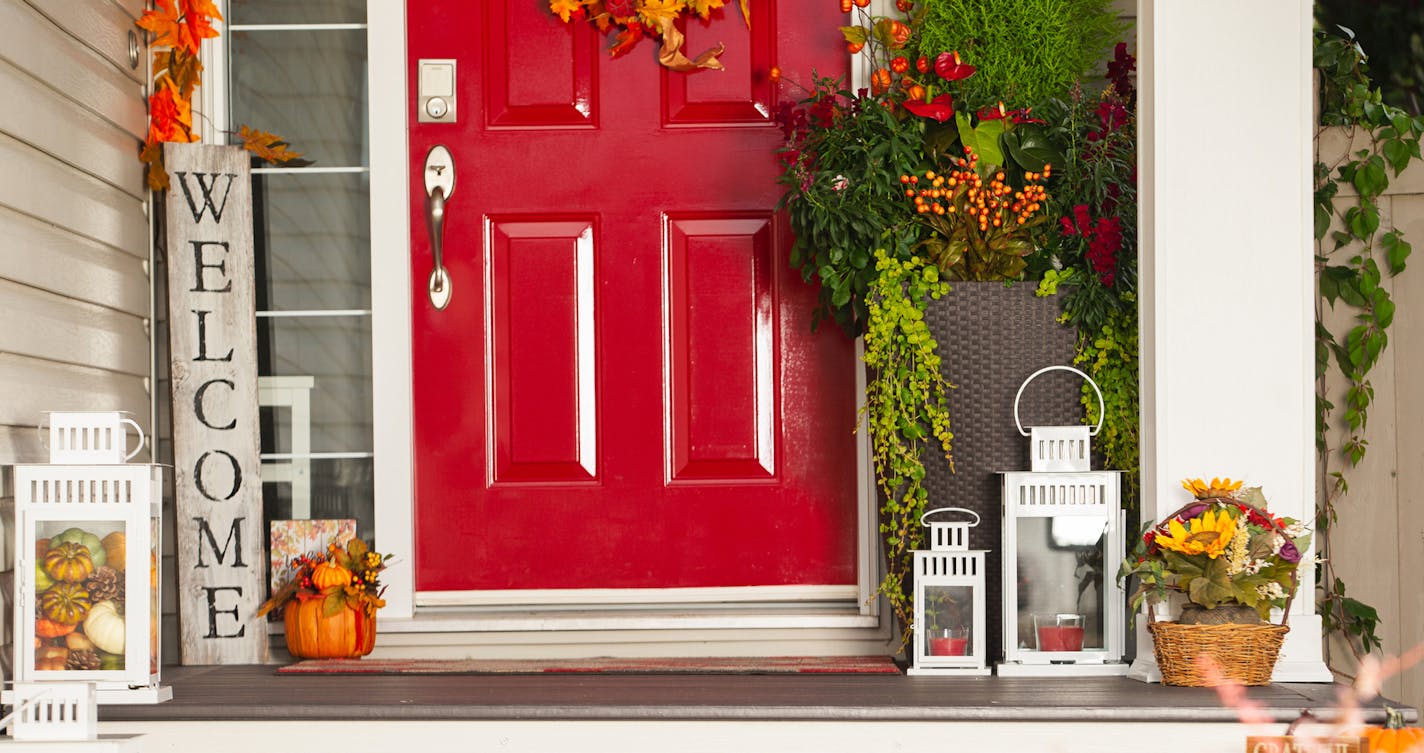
(1394, 737)
(348, 634)
(66, 603)
(69, 562)
(328, 574)
(51, 629)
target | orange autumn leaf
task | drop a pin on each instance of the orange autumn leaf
(164, 22)
(152, 155)
(270, 147)
(652, 12)
(564, 9)
(202, 7)
(182, 71)
(704, 8)
(625, 40)
(197, 26)
(170, 117)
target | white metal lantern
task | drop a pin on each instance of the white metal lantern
(87, 563)
(1063, 538)
(949, 600)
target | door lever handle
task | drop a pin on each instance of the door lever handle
(439, 185)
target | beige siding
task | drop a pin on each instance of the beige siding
(74, 237)
(74, 232)
(1379, 541)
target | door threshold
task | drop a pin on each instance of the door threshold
(698, 617)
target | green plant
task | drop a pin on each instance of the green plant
(844, 153)
(1354, 252)
(905, 410)
(978, 229)
(1091, 253)
(1026, 50)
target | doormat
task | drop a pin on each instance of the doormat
(776, 665)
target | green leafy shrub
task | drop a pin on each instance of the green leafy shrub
(1025, 50)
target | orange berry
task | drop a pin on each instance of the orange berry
(904, 179)
(855, 47)
(845, 6)
(774, 74)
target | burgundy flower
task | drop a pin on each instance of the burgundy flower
(1289, 553)
(1120, 72)
(940, 108)
(1106, 241)
(950, 68)
(620, 8)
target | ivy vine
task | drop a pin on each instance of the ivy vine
(905, 408)
(1354, 253)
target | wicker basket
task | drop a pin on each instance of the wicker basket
(1242, 653)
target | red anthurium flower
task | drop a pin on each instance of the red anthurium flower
(940, 108)
(993, 112)
(949, 67)
(1021, 116)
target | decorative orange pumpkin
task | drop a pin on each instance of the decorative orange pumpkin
(116, 550)
(348, 634)
(51, 629)
(328, 574)
(66, 603)
(69, 562)
(1394, 737)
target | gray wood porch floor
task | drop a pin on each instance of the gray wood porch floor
(258, 693)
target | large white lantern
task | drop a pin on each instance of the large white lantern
(1063, 538)
(949, 600)
(87, 536)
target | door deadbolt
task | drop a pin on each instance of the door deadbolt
(435, 90)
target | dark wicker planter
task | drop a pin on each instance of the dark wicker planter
(991, 338)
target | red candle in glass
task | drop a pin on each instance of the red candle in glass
(948, 646)
(1060, 638)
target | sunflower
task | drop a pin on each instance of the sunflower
(1219, 487)
(1210, 533)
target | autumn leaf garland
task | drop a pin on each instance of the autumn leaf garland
(628, 21)
(181, 26)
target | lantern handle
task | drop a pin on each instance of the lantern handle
(1102, 407)
(950, 509)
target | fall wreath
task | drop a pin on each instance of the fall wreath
(628, 21)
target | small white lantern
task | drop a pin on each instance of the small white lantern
(949, 601)
(1063, 538)
(87, 535)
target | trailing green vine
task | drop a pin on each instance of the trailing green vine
(1353, 255)
(1110, 357)
(905, 408)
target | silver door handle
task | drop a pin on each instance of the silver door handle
(439, 185)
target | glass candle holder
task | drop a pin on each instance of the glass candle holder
(1058, 632)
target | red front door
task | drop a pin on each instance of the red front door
(624, 391)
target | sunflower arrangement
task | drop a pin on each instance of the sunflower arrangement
(1222, 548)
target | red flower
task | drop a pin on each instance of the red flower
(940, 109)
(1106, 241)
(993, 112)
(949, 67)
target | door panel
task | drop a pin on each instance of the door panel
(624, 391)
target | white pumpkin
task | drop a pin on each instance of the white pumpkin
(105, 627)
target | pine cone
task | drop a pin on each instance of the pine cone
(104, 585)
(82, 660)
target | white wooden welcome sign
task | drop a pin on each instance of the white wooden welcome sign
(213, 343)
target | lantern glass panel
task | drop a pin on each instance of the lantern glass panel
(949, 620)
(1060, 588)
(155, 604)
(79, 585)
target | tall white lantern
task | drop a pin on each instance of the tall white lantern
(949, 601)
(87, 537)
(1063, 524)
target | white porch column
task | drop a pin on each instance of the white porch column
(1225, 135)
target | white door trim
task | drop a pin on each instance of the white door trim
(391, 372)
(392, 369)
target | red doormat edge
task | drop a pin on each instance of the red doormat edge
(687, 666)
